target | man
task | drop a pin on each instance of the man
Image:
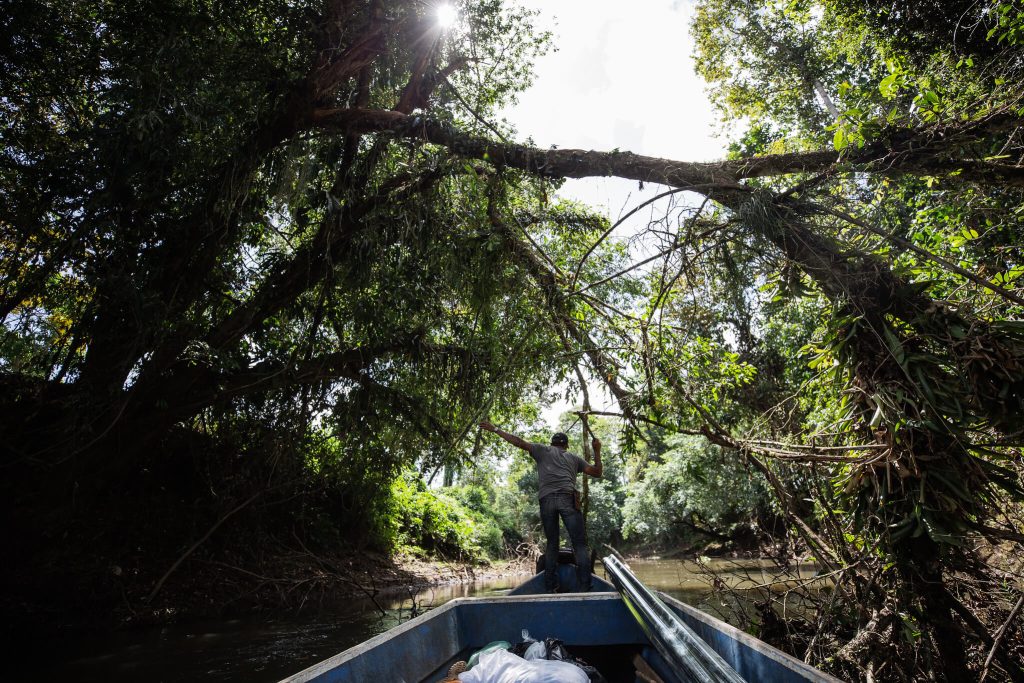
(556, 474)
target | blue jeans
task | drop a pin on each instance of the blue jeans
(553, 506)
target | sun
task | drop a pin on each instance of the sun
(446, 15)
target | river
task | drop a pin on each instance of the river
(267, 648)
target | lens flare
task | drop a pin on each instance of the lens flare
(446, 15)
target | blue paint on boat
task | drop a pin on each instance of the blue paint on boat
(566, 583)
(421, 650)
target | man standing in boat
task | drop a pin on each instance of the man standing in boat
(556, 476)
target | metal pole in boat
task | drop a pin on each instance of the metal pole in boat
(690, 657)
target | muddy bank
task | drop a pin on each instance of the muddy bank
(222, 587)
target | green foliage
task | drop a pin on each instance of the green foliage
(368, 502)
(693, 486)
(1009, 23)
(484, 503)
(904, 410)
(604, 514)
(179, 245)
(437, 523)
(773, 64)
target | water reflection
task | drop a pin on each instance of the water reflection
(741, 583)
(267, 648)
(258, 648)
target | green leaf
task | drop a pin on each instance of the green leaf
(894, 344)
(888, 86)
(839, 140)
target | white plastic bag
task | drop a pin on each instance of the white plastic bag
(501, 666)
(537, 650)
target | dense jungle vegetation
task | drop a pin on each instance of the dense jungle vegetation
(264, 265)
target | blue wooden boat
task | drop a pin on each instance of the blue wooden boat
(623, 636)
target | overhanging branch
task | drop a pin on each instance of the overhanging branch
(921, 150)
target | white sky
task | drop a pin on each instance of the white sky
(622, 77)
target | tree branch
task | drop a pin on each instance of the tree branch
(918, 150)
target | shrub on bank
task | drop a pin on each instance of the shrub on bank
(437, 523)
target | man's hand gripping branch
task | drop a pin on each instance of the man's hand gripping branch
(511, 438)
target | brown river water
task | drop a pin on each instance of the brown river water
(269, 647)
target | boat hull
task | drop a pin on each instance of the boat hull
(592, 624)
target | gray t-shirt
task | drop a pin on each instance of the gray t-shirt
(556, 469)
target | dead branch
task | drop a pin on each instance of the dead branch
(194, 546)
(998, 638)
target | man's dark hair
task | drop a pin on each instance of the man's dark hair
(559, 439)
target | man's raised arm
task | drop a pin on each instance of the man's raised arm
(597, 469)
(511, 438)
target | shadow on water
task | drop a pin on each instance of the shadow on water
(255, 648)
(267, 648)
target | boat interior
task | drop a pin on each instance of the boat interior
(601, 628)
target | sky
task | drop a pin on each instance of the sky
(622, 77)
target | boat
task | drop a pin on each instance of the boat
(626, 631)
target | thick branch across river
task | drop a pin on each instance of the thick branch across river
(906, 150)
(780, 219)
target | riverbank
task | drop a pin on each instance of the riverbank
(226, 587)
(297, 581)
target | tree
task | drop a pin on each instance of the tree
(893, 340)
(695, 492)
(191, 268)
(347, 235)
(772, 63)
